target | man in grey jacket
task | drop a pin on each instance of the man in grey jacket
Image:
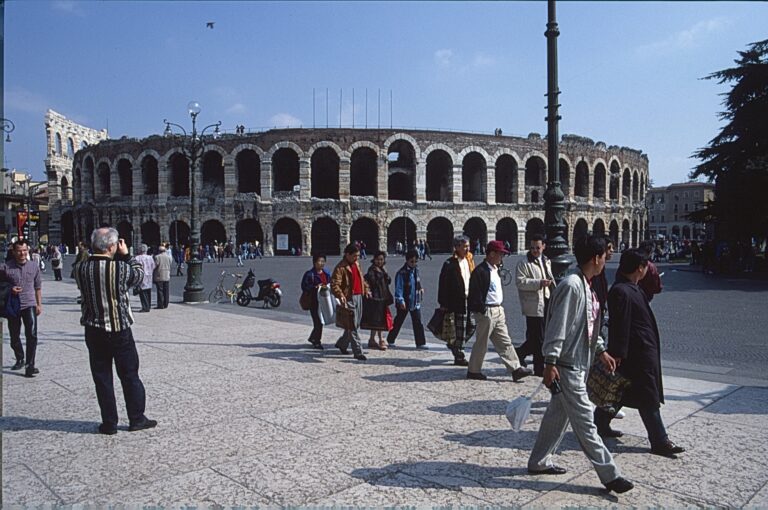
(162, 276)
(570, 342)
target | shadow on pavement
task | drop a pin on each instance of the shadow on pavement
(474, 407)
(429, 375)
(18, 423)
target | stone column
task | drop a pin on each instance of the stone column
(266, 181)
(421, 182)
(345, 178)
(490, 185)
(521, 198)
(230, 180)
(138, 186)
(305, 179)
(114, 181)
(162, 180)
(457, 180)
(590, 186)
(382, 179)
(521, 244)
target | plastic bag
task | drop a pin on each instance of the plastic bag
(325, 304)
(519, 409)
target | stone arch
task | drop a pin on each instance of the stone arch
(125, 177)
(398, 228)
(402, 156)
(580, 229)
(212, 231)
(581, 184)
(364, 170)
(476, 229)
(125, 231)
(439, 176)
(149, 175)
(326, 236)
(474, 177)
(150, 234)
(506, 179)
(178, 176)
(625, 233)
(89, 181)
(213, 173)
(68, 230)
(598, 189)
(249, 230)
(285, 169)
(178, 233)
(535, 196)
(406, 138)
(506, 230)
(613, 233)
(635, 186)
(534, 226)
(598, 227)
(440, 235)
(286, 227)
(615, 180)
(535, 170)
(103, 184)
(626, 184)
(70, 147)
(366, 230)
(565, 176)
(57, 143)
(248, 167)
(66, 190)
(324, 165)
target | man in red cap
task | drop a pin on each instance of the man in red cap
(485, 301)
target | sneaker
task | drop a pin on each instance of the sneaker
(107, 430)
(142, 425)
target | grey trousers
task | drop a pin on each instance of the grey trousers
(351, 337)
(572, 405)
(492, 324)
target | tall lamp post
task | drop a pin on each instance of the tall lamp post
(192, 146)
(7, 126)
(554, 199)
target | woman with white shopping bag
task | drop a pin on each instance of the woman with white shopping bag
(313, 280)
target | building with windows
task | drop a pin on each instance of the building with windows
(668, 209)
(318, 189)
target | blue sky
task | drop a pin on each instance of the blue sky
(629, 71)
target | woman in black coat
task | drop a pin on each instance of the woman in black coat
(635, 344)
(376, 314)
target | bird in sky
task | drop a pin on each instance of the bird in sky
(210, 24)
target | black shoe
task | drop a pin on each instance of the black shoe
(343, 350)
(19, 364)
(479, 376)
(609, 432)
(31, 372)
(668, 449)
(107, 430)
(551, 470)
(317, 345)
(311, 340)
(461, 362)
(423, 347)
(142, 425)
(360, 357)
(620, 485)
(521, 373)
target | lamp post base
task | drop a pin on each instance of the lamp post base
(193, 290)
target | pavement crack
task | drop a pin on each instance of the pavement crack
(40, 479)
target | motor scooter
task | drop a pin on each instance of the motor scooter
(269, 292)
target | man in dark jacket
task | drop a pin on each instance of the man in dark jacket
(452, 292)
(636, 347)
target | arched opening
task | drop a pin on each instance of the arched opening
(57, 142)
(89, 181)
(615, 178)
(178, 233)
(68, 230)
(367, 231)
(439, 177)
(534, 226)
(326, 238)
(686, 232)
(363, 171)
(613, 233)
(625, 239)
(473, 178)
(476, 230)
(248, 231)
(179, 175)
(582, 180)
(103, 184)
(401, 158)
(149, 175)
(286, 234)
(598, 227)
(125, 231)
(580, 229)
(635, 186)
(212, 232)
(403, 230)
(325, 173)
(285, 169)
(506, 230)
(213, 174)
(150, 234)
(125, 175)
(626, 184)
(598, 190)
(440, 235)
(506, 180)
(635, 233)
(535, 196)
(66, 191)
(70, 148)
(535, 172)
(248, 166)
(565, 177)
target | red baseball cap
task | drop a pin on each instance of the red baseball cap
(497, 246)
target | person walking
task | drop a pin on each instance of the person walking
(25, 278)
(452, 293)
(105, 278)
(408, 297)
(636, 346)
(56, 263)
(535, 284)
(162, 276)
(376, 314)
(145, 286)
(349, 287)
(310, 283)
(571, 340)
(485, 301)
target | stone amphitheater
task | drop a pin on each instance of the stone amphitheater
(318, 189)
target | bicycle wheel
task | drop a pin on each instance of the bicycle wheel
(506, 276)
(216, 295)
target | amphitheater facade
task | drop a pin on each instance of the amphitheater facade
(317, 189)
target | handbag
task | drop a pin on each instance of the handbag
(305, 300)
(10, 305)
(604, 388)
(435, 324)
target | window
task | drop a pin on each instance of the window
(675, 208)
(685, 207)
(685, 194)
(653, 219)
(675, 217)
(662, 218)
(677, 197)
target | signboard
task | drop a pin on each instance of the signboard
(27, 223)
(282, 241)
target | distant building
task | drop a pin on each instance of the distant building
(14, 195)
(668, 210)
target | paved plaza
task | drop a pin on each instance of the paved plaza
(249, 415)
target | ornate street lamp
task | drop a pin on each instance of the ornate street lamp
(192, 146)
(7, 126)
(554, 199)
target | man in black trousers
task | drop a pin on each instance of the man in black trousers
(104, 280)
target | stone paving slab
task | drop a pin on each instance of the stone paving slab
(250, 415)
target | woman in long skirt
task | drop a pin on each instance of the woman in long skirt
(376, 314)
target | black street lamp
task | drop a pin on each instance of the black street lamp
(192, 146)
(7, 126)
(554, 199)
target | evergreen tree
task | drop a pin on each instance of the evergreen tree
(737, 158)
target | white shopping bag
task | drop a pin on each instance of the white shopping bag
(519, 409)
(326, 304)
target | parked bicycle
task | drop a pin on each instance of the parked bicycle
(218, 294)
(506, 276)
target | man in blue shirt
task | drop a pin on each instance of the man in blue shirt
(408, 294)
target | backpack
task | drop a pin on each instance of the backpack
(10, 305)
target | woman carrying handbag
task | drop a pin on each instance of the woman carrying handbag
(376, 314)
(310, 283)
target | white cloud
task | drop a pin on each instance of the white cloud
(68, 6)
(237, 109)
(444, 57)
(24, 100)
(686, 39)
(456, 62)
(483, 60)
(283, 120)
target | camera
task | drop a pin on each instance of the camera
(555, 387)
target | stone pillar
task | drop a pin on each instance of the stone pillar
(521, 198)
(521, 244)
(305, 179)
(382, 179)
(266, 181)
(138, 186)
(490, 185)
(590, 186)
(343, 236)
(621, 192)
(421, 182)
(230, 180)
(457, 180)
(162, 180)
(114, 181)
(345, 178)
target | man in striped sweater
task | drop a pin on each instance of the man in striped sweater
(105, 279)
